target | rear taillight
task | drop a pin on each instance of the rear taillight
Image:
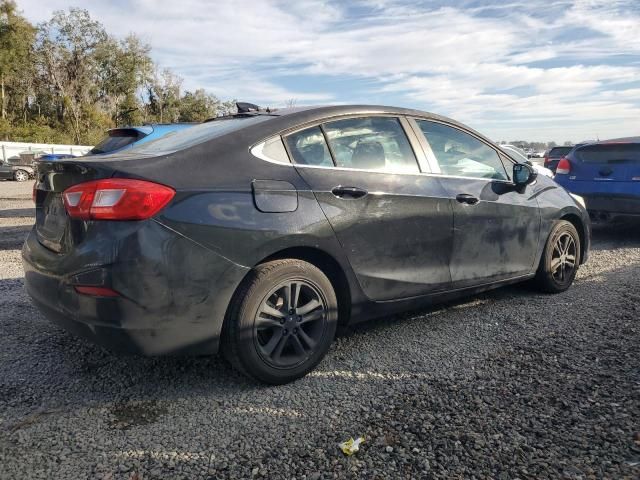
(564, 166)
(546, 161)
(116, 199)
(34, 192)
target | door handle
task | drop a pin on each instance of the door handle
(467, 198)
(348, 192)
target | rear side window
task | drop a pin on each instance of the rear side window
(609, 153)
(460, 154)
(189, 137)
(308, 147)
(559, 151)
(371, 143)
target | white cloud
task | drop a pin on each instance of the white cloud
(558, 67)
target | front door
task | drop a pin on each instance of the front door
(496, 227)
(394, 224)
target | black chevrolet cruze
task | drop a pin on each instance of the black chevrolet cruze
(260, 232)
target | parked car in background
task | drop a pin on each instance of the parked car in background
(518, 156)
(119, 139)
(54, 156)
(607, 175)
(553, 156)
(17, 170)
(258, 233)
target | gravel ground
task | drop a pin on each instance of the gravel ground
(509, 384)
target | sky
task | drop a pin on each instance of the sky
(514, 70)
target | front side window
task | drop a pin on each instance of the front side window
(459, 154)
(308, 147)
(371, 143)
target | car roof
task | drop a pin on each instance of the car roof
(619, 140)
(288, 118)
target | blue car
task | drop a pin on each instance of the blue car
(607, 175)
(119, 139)
(54, 156)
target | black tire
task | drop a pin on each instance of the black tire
(251, 331)
(21, 175)
(557, 270)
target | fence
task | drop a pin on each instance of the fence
(14, 149)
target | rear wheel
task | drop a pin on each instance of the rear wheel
(281, 322)
(21, 175)
(560, 259)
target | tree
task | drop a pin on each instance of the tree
(16, 59)
(66, 51)
(124, 69)
(164, 95)
(198, 106)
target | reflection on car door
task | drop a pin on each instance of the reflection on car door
(394, 224)
(496, 228)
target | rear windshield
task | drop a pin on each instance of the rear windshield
(116, 140)
(610, 153)
(559, 151)
(188, 137)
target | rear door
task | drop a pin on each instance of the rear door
(394, 223)
(496, 228)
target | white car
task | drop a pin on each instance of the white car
(519, 155)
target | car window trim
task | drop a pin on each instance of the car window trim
(480, 139)
(328, 143)
(298, 128)
(418, 153)
(258, 151)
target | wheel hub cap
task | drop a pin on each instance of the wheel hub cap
(290, 323)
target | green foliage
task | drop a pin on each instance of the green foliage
(67, 81)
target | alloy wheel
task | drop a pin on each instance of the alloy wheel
(290, 323)
(21, 176)
(563, 258)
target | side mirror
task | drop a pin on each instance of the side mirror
(523, 174)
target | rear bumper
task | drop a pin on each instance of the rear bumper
(173, 293)
(614, 205)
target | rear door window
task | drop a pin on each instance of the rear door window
(371, 143)
(609, 153)
(460, 154)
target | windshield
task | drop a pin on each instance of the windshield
(181, 139)
(610, 153)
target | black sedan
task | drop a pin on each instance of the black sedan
(260, 232)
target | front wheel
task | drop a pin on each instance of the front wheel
(560, 259)
(21, 176)
(281, 321)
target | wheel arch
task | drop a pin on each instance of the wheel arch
(577, 222)
(329, 266)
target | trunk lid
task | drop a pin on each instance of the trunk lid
(54, 228)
